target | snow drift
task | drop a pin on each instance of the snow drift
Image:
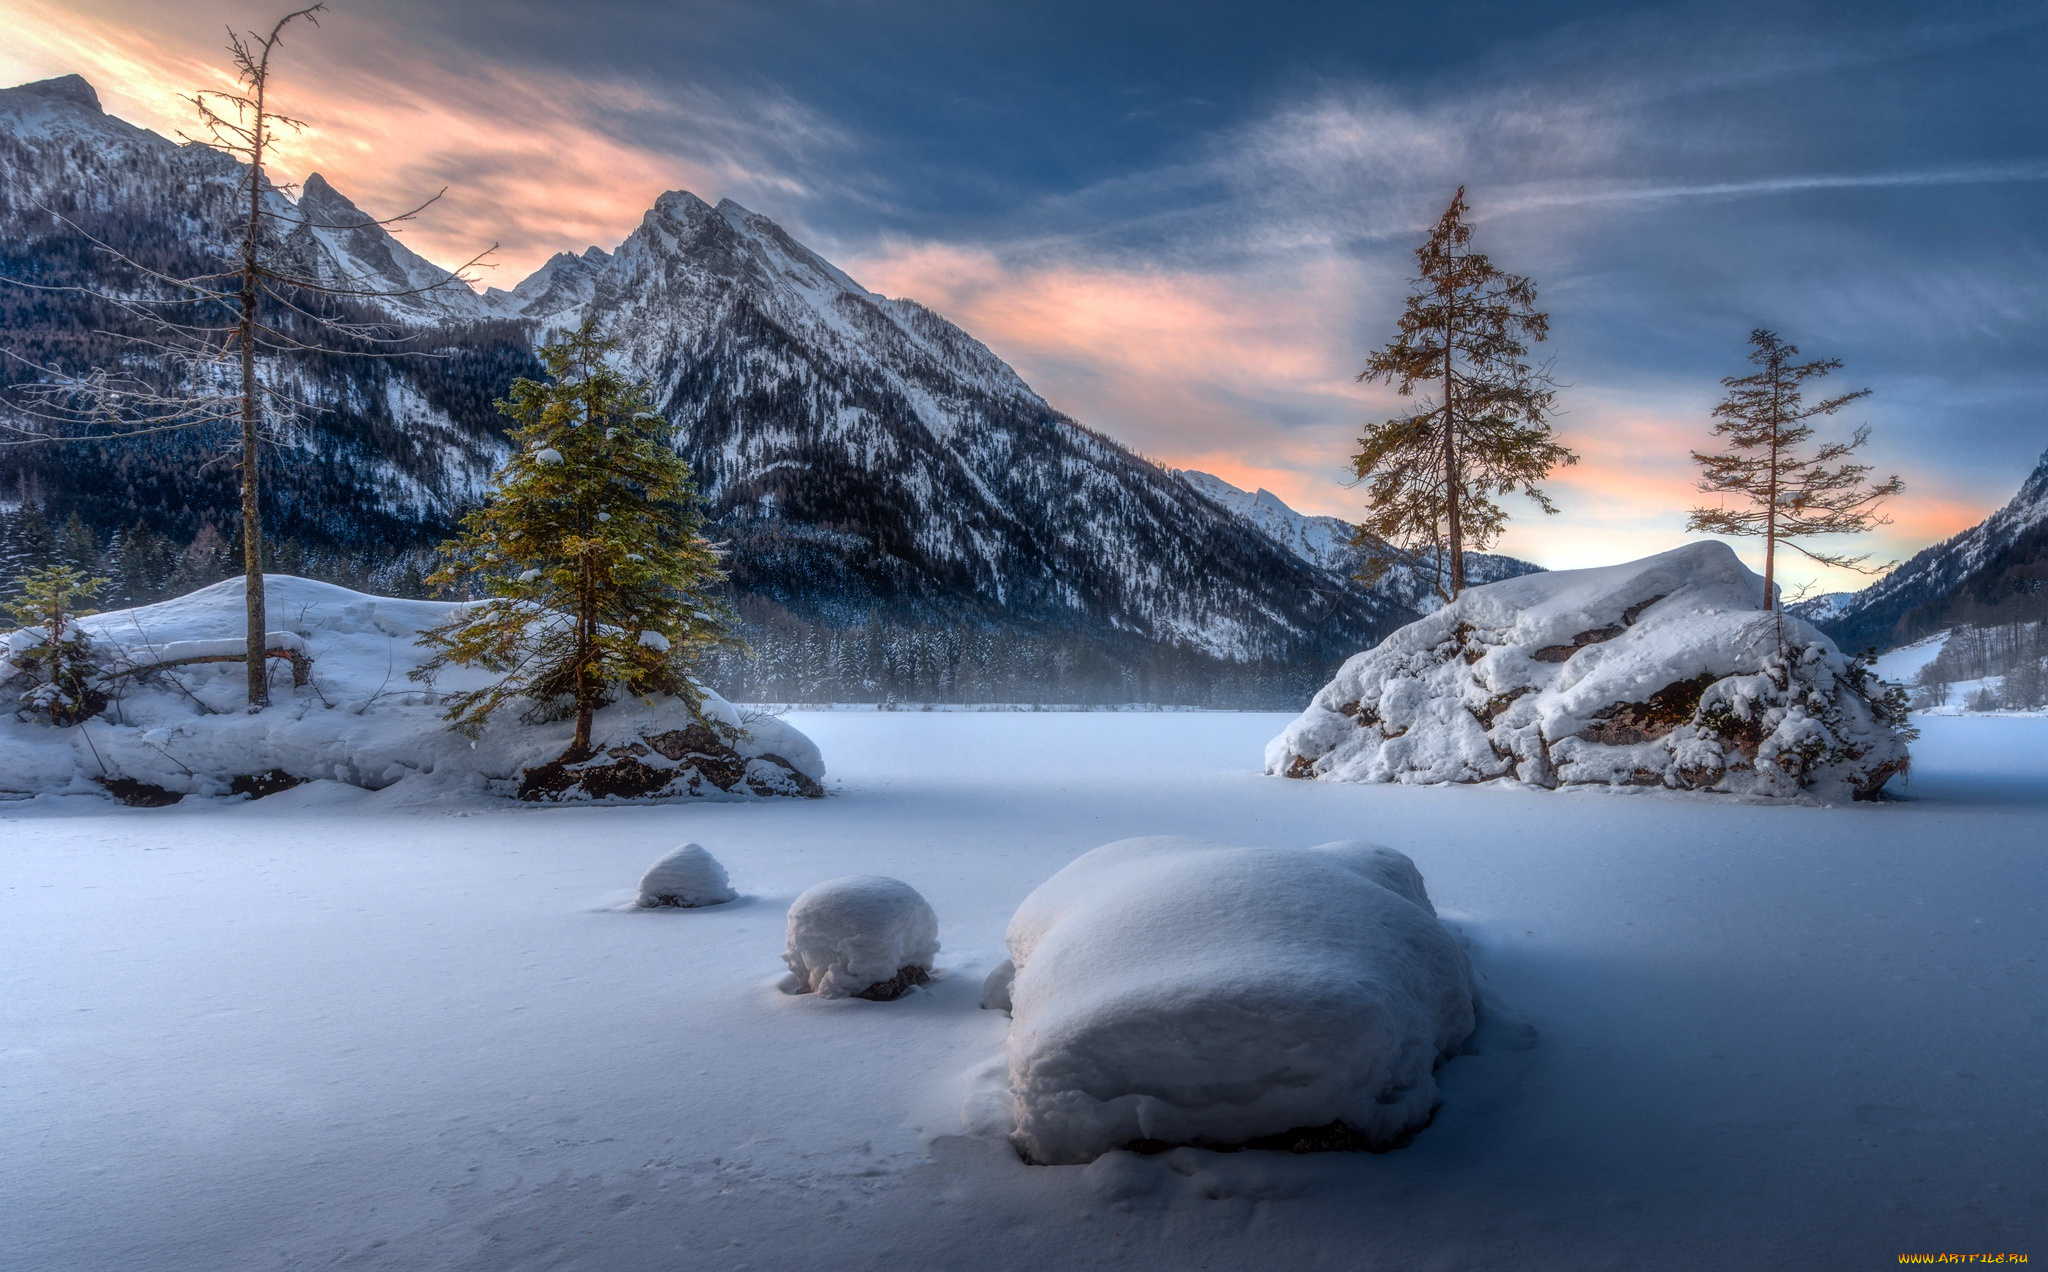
(346, 711)
(1660, 672)
(864, 936)
(687, 878)
(1170, 991)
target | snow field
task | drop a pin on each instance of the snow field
(328, 1028)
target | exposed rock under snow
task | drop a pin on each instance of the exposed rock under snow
(687, 878)
(864, 936)
(1170, 991)
(1660, 672)
(358, 719)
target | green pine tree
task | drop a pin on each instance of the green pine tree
(1483, 427)
(590, 551)
(61, 671)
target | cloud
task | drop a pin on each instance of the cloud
(535, 160)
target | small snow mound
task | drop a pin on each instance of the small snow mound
(1660, 672)
(1172, 991)
(687, 878)
(865, 936)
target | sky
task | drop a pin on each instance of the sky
(1188, 224)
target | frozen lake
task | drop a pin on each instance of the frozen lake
(317, 1030)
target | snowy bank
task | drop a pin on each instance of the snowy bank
(345, 710)
(1660, 672)
(1171, 991)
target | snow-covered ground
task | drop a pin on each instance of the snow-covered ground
(321, 1030)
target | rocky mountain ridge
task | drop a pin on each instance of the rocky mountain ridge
(1995, 572)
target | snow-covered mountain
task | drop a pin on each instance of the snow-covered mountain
(395, 448)
(1325, 542)
(866, 459)
(866, 455)
(1994, 572)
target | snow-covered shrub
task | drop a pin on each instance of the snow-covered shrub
(689, 877)
(178, 727)
(1171, 991)
(50, 663)
(1660, 672)
(864, 936)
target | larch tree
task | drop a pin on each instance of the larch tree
(1482, 426)
(1784, 492)
(209, 345)
(591, 553)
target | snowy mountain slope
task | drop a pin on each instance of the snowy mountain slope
(553, 296)
(1325, 542)
(345, 248)
(866, 455)
(1994, 572)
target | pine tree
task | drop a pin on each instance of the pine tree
(591, 552)
(28, 546)
(139, 560)
(205, 561)
(1432, 472)
(1789, 495)
(78, 547)
(62, 673)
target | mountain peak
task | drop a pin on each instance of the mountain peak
(72, 89)
(318, 195)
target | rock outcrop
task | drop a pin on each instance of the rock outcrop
(1661, 672)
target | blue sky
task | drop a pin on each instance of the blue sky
(1186, 224)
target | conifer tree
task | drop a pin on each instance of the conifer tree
(591, 553)
(1482, 428)
(59, 665)
(1789, 495)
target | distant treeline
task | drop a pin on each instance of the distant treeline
(872, 658)
(881, 662)
(2013, 654)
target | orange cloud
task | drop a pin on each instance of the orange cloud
(525, 157)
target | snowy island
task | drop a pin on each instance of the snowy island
(1662, 672)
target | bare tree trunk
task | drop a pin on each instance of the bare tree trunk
(1771, 504)
(586, 635)
(252, 528)
(1454, 525)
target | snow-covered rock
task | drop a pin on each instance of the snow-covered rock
(1660, 672)
(687, 878)
(358, 718)
(1172, 991)
(864, 936)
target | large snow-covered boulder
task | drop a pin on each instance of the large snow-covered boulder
(344, 709)
(688, 878)
(1169, 991)
(864, 936)
(1660, 672)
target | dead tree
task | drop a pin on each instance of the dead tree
(213, 336)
